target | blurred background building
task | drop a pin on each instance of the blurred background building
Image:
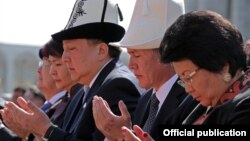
(18, 65)
(18, 62)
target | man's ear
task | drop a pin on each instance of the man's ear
(102, 51)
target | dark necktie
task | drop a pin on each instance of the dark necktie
(154, 104)
(46, 106)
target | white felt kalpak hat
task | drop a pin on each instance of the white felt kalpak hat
(93, 19)
(149, 22)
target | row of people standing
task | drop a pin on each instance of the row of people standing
(94, 62)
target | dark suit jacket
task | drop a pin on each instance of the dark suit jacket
(115, 82)
(7, 135)
(182, 112)
(171, 103)
(58, 112)
(232, 112)
(73, 112)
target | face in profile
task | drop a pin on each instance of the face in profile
(145, 65)
(81, 59)
(203, 85)
(44, 79)
(60, 73)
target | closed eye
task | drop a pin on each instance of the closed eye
(58, 64)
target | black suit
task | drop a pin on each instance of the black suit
(115, 82)
(232, 112)
(170, 104)
(73, 112)
(57, 113)
(174, 109)
(7, 135)
(183, 110)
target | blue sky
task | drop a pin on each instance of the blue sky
(32, 22)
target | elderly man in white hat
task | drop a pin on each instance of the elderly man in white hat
(92, 25)
(149, 21)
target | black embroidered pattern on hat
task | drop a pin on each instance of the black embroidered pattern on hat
(79, 12)
(95, 19)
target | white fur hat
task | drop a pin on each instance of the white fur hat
(149, 22)
(93, 19)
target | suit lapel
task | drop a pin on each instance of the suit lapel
(59, 107)
(172, 101)
(73, 108)
(145, 110)
(92, 91)
(194, 115)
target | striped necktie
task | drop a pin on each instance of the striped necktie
(154, 104)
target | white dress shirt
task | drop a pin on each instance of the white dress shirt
(164, 90)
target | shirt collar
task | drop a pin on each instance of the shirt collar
(164, 90)
(56, 97)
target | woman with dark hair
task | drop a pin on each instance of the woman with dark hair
(206, 51)
(58, 68)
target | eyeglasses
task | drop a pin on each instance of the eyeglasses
(188, 79)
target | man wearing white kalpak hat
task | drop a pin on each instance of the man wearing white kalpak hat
(92, 25)
(149, 22)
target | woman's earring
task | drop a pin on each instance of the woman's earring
(227, 77)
